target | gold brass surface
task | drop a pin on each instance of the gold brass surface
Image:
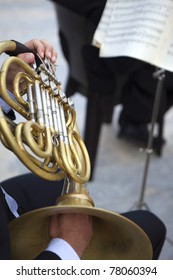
(114, 238)
(48, 143)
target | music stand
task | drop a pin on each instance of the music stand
(160, 75)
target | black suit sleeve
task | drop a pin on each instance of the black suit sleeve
(47, 255)
(4, 236)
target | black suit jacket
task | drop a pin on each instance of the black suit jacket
(5, 217)
(47, 255)
(4, 236)
(22, 189)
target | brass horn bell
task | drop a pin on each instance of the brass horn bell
(49, 144)
(115, 237)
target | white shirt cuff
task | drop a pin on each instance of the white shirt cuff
(61, 248)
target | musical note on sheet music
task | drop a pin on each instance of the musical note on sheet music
(142, 29)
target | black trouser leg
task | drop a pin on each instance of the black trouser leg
(152, 226)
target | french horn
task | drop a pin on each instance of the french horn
(48, 142)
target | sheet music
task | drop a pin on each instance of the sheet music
(142, 29)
